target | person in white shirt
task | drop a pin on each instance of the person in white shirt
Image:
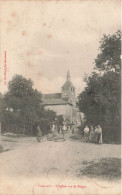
(64, 129)
(86, 133)
(99, 135)
(91, 134)
(53, 128)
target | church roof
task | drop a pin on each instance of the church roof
(55, 102)
(68, 84)
(52, 96)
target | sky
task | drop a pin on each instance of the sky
(44, 39)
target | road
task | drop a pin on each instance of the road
(28, 161)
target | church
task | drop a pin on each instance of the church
(63, 103)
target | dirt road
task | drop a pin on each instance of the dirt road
(28, 160)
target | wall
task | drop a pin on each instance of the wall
(68, 92)
(65, 110)
(69, 112)
(59, 109)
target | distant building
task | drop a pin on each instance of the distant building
(63, 103)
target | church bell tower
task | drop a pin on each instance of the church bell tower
(68, 90)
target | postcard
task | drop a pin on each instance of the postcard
(60, 97)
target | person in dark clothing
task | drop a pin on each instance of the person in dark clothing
(39, 134)
(72, 128)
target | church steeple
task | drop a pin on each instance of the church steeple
(68, 90)
(68, 76)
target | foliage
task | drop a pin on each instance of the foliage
(50, 114)
(22, 107)
(60, 120)
(105, 169)
(110, 51)
(100, 101)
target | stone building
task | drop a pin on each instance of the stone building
(63, 103)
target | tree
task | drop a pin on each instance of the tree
(21, 108)
(23, 103)
(50, 114)
(60, 120)
(100, 101)
(110, 51)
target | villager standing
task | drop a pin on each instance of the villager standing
(48, 127)
(86, 133)
(60, 132)
(99, 134)
(95, 134)
(91, 133)
(58, 128)
(48, 131)
(39, 134)
(53, 128)
(72, 129)
(53, 131)
(64, 129)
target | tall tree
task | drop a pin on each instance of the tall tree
(22, 108)
(23, 102)
(110, 51)
(100, 101)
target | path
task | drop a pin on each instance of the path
(29, 159)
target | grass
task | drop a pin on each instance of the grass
(106, 168)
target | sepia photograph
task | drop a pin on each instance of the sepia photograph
(60, 97)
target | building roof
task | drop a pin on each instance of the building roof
(66, 99)
(68, 84)
(68, 76)
(52, 96)
(55, 102)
